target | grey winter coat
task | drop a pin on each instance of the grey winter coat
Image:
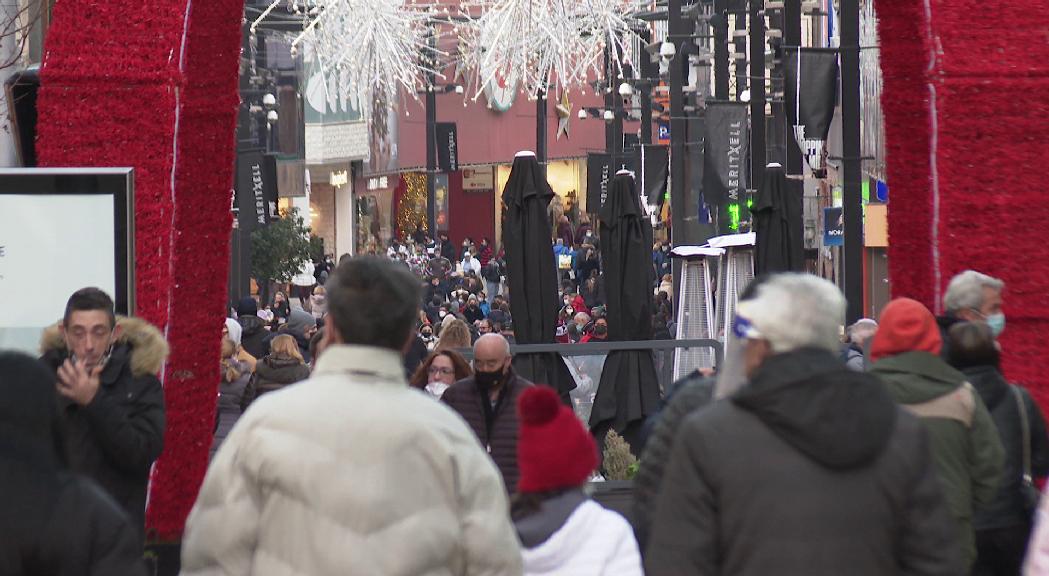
(810, 469)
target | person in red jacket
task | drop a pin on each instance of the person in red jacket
(599, 333)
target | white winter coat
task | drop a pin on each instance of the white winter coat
(593, 542)
(351, 473)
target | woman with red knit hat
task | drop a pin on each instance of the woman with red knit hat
(965, 445)
(563, 531)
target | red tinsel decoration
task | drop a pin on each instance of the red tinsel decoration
(145, 96)
(991, 128)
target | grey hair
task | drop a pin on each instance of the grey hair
(492, 336)
(863, 329)
(794, 311)
(582, 316)
(965, 292)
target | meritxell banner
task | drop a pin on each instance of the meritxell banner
(812, 75)
(256, 190)
(727, 148)
(599, 176)
(447, 147)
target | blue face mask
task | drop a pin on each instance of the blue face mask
(997, 324)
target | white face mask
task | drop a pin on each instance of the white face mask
(436, 389)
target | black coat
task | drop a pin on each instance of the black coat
(465, 398)
(810, 469)
(256, 338)
(52, 522)
(58, 523)
(1008, 509)
(115, 439)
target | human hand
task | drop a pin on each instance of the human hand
(78, 383)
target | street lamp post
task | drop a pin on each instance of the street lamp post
(852, 170)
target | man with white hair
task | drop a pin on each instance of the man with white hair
(972, 297)
(808, 468)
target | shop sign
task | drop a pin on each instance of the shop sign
(339, 178)
(833, 227)
(479, 178)
(378, 183)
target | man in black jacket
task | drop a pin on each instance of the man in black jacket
(111, 398)
(808, 469)
(256, 338)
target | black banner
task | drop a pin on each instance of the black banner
(447, 147)
(256, 190)
(815, 90)
(725, 162)
(599, 176)
(655, 172)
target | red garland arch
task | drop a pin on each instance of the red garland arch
(966, 137)
(156, 95)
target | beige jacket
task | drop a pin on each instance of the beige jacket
(351, 473)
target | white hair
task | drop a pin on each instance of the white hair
(862, 330)
(793, 311)
(965, 292)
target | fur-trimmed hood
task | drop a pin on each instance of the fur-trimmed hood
(149, 350)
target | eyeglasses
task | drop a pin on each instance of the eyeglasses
(442, 371)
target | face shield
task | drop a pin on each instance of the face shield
(732, 374)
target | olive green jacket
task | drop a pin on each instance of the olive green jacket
(965, 446)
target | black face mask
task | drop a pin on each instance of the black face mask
(488, 380)
(600, 330)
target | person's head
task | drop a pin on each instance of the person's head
(491, 359)
(230, 371)
(484, 241)
(554, 450)
(284, 346)
(247, 306)
(484, 327)
(89, 325)
(581, 319)
(232, 330)
(974, 296)
(372, 302)
(668, 278)
(301, 324)
(786, 313)
(455, 334)
(426, 331)
(444, 366)
(319, 291)
(279, 298)
(564, 220)
(442, 312)
(29, 409)
(560, 241)
(971, 345)
(905, 326)
(862, 331)
(601, 328)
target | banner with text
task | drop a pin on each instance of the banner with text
(727, 148)
(256, 190)
(447, 147)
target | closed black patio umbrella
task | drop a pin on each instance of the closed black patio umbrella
(629, 387)
(778, 226)
(531, 274)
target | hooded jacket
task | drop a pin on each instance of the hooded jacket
(965, 445)
(1008, 508)
(319, 479)
(273, 373)
(810, 470)
(53, 521)
(255, 338)
(584, 539)
(115, 439)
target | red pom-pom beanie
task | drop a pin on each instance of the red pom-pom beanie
(554, 450)
(906, 326)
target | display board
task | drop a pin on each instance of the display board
(62, 229)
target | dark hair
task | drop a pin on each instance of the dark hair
(972, 344)
(524, 504)
(315, 345)
(87, 299)
(459, 364)
(373, 301)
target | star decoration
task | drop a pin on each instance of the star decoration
(564, 115)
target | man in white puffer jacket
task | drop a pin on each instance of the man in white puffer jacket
(562, 531)
(352, 472)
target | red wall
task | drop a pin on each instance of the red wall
(471, 212)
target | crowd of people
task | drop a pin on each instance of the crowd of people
(901, 450)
